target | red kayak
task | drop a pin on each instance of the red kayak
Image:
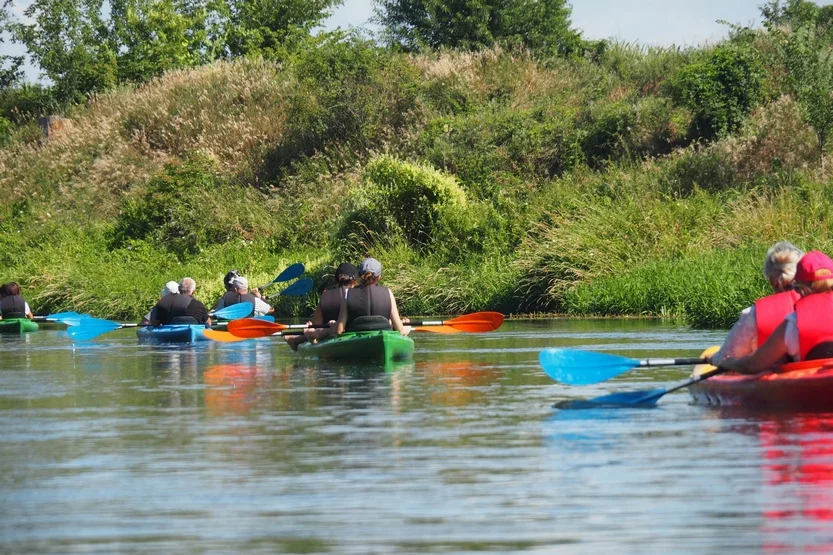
(806, 385)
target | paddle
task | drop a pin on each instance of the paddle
(297, 289)
(290, 273)
(233, 312)
(574, 367)
(644, 398)
(57, 316)
(90, 328)
(477, 322)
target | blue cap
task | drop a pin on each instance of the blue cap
(370, 265)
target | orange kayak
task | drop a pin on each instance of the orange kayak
(806, 385)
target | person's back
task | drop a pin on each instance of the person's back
(181, 308)
(370, 306)
(12, 304)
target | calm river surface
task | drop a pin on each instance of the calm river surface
(114, 447)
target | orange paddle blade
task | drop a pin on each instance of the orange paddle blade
(249, 328)
(222, 336)
(476, 322)
(437, 329)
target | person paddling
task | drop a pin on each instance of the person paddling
(757, 322)
(239, 293)
(806, 333)
(12, 304)
(328, 307)
(181, 308)
(370, 306)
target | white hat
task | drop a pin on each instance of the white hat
(240, 282)
(171, 288)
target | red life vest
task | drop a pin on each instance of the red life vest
(814, 318)
(770, 312)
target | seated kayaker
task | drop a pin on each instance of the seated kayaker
(328, 308)
(369, 306)
(240, 293)
(229, 287)
(806, 333)
(757, 322)
(171, 288)
(12, 304)
(181, 308)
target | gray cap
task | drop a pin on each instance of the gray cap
(370, 265)
(240, 282)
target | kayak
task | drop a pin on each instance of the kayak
(805, 385)
(17, 325)
(362, 346)
(171, 334)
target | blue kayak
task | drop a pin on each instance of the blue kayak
(171, 334)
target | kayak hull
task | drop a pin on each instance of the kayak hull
(806, 385)
(171, 334)
(17, 325)
(364, 346)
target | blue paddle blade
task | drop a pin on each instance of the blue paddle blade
(290, 273)
(235, 311)
(265, 318)
(90, 328)
(636, 399)
(60, 316)
(575, 367)
(300, 287)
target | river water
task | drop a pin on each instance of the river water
(114, 447)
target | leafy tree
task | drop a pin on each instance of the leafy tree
(261, 26)
(10, 72)
(71, 42)
(541, 25)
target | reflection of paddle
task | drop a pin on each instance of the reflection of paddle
(644, 398)
(478, 322)
(90, 328)
(574, 367)
(68, 318)
(290, 273)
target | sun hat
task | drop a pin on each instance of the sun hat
(370, 265)
(171, 288)
(347, 270)
(240, 282)
(814, 266)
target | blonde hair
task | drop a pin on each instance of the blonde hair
(780, 264)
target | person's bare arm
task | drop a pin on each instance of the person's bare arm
(765, 356)
(342, 317)
(394, 316)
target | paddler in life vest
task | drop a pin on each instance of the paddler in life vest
(806, 333)
(370, 306)
(328, 307)
(181, 308)
(171, 288)
(12, 304)
(240, 293)
(758, 321)
(229, 277)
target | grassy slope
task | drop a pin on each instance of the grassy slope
(580, 190)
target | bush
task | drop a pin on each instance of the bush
(721, 89)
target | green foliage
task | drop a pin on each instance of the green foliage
(721, 88)
(178, 211)
(541, 25)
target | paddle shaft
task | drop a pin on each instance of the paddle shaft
(698, 379)
(654, 362)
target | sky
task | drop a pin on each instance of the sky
(648, 22)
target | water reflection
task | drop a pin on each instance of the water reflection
(797, 479)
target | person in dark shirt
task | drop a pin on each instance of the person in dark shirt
(328, 307)
(181, 308)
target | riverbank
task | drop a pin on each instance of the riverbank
(482, 181)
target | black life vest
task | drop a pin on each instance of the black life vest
(365, 302)
(330, 303)
(233, 297)
(173, 309)
(13, 306)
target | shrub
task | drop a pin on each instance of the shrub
(721, 89)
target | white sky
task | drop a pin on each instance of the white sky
(658, 22)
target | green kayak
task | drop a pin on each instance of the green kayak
(17, 325)
(362, 346)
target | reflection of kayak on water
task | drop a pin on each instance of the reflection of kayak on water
(806, 385)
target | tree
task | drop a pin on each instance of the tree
(541, 25)
(10, 72)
